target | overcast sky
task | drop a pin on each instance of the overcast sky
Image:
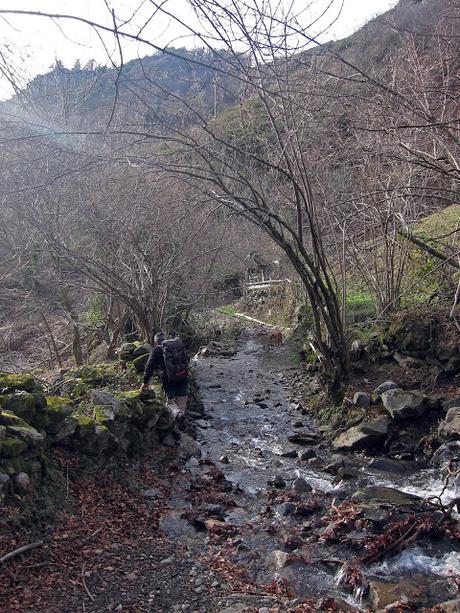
(32, 44)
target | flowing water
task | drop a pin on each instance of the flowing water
(249, 419)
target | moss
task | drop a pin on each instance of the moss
(103, 415)
(21, 404)
(7, 418)
(56, 411)
(21, 465)
(85, 426)
(12, 447)
(27, 433)
(11, 383)
(140, 362)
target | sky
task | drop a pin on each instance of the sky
(30, 45)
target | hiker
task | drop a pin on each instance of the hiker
(169, 356)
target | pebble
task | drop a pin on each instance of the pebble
(215, 584)
(264, 610)
(167, 560)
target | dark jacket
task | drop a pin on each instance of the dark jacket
(156, 361)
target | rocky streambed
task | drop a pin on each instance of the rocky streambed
(345, 531)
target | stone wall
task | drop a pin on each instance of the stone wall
(97, 423)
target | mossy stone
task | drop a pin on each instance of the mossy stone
(142, 350)
(7, 418)
(12, 383)
(12, 447)
(57, 409)
(21, 404)
(27, 433)
(140, 362)
(85, 426)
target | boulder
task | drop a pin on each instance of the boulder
(404, 405)
(449, 428)
(366, 434)
(362, 400)
(384, 387)
(449, 452)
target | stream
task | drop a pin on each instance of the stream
(248, 419)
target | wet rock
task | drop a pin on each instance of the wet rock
(364, 435)
(289, 453)
(387, 495)
(303, 438)
(300, 485)
(403, 405)
(307, 454)
(382, 594)
(385, 387)
(449, 452)
(277, 482)
(362, 400)
(449, 428)
(396, 467)
(347, 472)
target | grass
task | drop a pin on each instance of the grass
(227, 309)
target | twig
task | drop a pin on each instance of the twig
(84, 582)
(17, 552)
(87, 538)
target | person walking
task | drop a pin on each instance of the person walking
(169, 357)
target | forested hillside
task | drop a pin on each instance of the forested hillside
(335, 151)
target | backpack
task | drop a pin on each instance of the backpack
(176, 361)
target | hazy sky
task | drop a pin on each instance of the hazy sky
(32, 44)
